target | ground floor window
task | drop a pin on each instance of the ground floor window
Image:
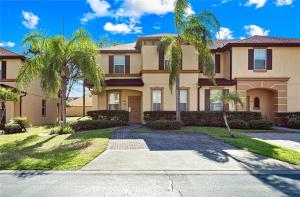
(156, 99)
(183, 100)
(215, 100)
(114, 101)
(44, 107)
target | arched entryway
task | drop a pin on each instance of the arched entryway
(262, 100)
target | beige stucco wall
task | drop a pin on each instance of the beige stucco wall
(135, 62)
(32, 102)
(224, 66)
(77, 110)
(286, 62)
(266, 102)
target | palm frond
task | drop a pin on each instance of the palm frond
(180, 7)
(232, 97)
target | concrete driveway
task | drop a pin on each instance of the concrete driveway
(169, 151)
(288, 140)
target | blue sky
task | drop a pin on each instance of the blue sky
(124, 20)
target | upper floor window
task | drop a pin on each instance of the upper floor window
(166, 62)
(156, 100)
(260, 59)
(1, 70)
(119, 64)
(183, 100)
(215, 100)
(114, 101)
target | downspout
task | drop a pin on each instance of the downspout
(21, 96)
(198, 98)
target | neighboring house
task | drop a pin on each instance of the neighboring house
(263, 70)
(75, 107)
(32, 102)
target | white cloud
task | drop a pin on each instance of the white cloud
(100, 8)
(224, 34)
(138, 8)
(122, 28)
(256, 3)
(156, 26)
(30, 20)
(253, 30)
(283, 2)
(189, 11)
(225, 1)
(7, 44)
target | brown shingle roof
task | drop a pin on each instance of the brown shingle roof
(6, 54)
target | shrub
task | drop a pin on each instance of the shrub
(164, 124)
(96, 124)
(282, 118)
(238, 124)
(12, 128)
(59, 130)
(120, 115)
(159, 115)
(260, 124)
(22, 121)
(294, 124)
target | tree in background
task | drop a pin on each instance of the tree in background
(7, 95)
(195, 29)
(56, 61)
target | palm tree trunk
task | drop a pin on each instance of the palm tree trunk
(178, 118)
(63, 101)
(226, 123)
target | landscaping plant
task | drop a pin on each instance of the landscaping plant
(7, 95)
(194, 29)
(58, 61)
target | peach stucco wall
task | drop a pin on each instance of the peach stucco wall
(32, 102)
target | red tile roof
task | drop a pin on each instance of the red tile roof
(124, 82)
(219, 81)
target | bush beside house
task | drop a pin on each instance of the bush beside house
(294, 124)
(17, 125)
(283, 118)
(164, 124)
(96, 124)
(120, 115)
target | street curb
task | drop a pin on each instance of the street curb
(147, 172)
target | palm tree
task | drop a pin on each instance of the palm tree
(7, 95)
(195, 29)
(56, 61)
(227, 98)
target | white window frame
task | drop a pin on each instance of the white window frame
(153, 91)
(0, 69)
(115, 102)
(116, 63)
(216, 103)
(186, 99)
(254, 59)
(166, 62)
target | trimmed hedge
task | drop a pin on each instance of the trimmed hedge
(282, 118)
(96, 124)
(238, 124)
(201, 118)
(294, 124)
(120, 115)
(59, 130)
(164, 124)
(260, 124)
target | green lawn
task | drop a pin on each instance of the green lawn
(33, 150)
(250, 144)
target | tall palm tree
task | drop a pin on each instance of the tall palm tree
(56, 61)
(195, 29)
(227, 98)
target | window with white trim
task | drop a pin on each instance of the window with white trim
(260, 59)
(166, 62)
(156, 100)
(119, 64)
(0, 69)
(183, 97)
(215, 100)
(114, 101)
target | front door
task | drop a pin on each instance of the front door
(134, 108)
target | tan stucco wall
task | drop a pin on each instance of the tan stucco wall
(77, 111)
(266, 102)
(224, 66)
(286, 62)
(32, 102)
(135, 62)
